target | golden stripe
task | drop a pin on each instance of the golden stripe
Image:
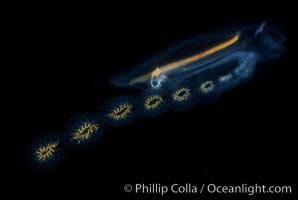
(185, 61)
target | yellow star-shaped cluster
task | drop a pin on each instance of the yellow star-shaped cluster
(121, 112)
(85, 131)
(181, 94)
(45, 152)
(207, 86)
(153, 102)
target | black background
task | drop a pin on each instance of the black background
(246, 136)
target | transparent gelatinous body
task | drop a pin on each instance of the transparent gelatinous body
(225, 57)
